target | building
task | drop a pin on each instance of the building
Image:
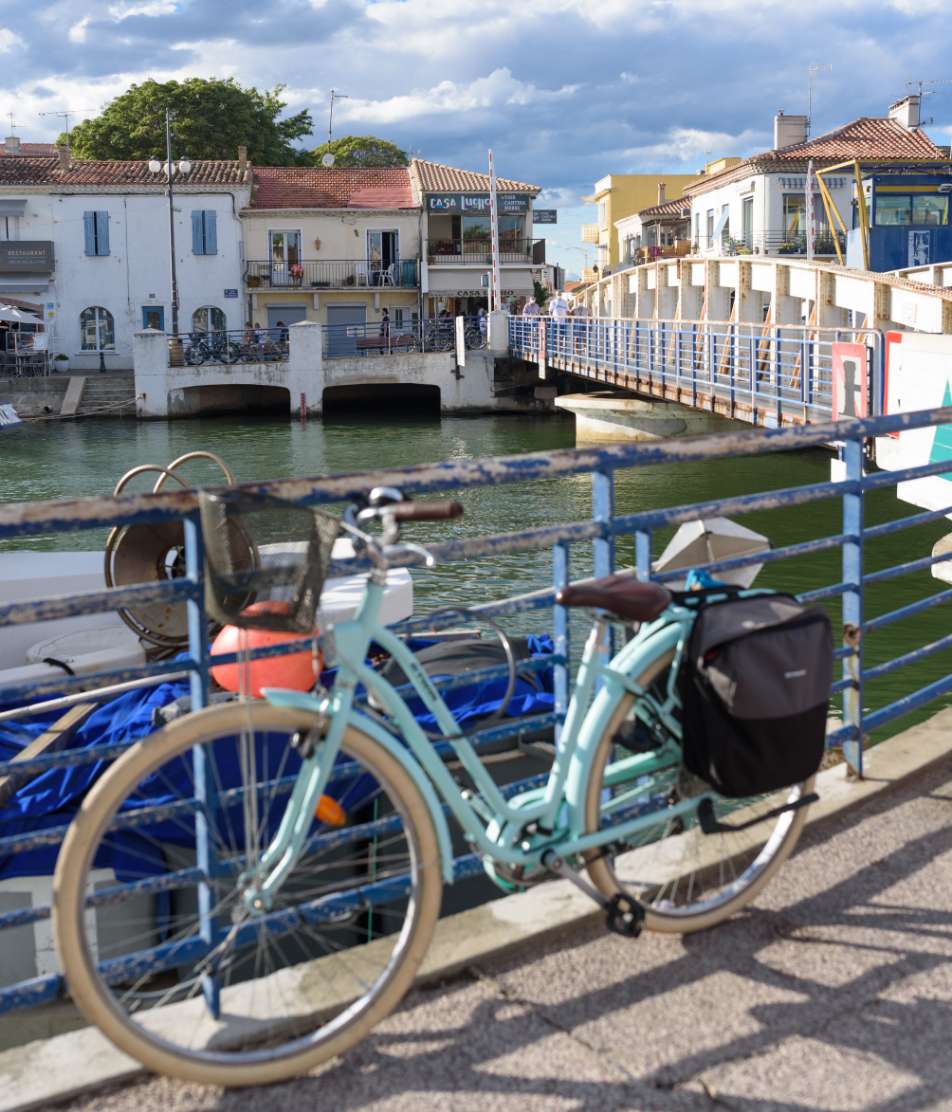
(656, 232)
(907, 220)
(12, 147)
(456, 238)
(332, 245)
(758, 205)
(85, 246)
(618, 196)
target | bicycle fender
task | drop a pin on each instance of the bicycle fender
(630, 661)
(415, 772)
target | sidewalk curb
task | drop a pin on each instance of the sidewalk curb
(48, 1071)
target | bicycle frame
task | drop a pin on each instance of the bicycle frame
(555, 811)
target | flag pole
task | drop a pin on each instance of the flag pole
(495, 301)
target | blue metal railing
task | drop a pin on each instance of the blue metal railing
(603, 531)
(765, 374)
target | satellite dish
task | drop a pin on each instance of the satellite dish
(327, 160)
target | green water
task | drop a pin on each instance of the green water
(86, 458)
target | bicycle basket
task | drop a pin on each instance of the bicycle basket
(265, 561)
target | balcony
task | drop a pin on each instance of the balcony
(773, 241)
(330, 274)
(590, 233)
(478, 252)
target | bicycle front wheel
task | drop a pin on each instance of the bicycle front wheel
(159, 947)
(685, 879)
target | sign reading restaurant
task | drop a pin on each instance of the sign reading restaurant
(23, 256)
(476, 203)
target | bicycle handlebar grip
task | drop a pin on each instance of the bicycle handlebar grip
(425, 511)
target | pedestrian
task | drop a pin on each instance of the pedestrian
(559, 312)
(283, 334)
(580, 324)
(483, 321)
(385, 325)
(531, 307)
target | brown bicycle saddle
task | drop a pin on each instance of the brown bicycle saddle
(622, 595)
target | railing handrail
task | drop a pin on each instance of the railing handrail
(32, 518)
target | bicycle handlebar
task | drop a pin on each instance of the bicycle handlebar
(424, 511)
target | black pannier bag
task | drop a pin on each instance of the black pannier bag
(755, 690)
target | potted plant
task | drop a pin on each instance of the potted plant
(253, 280)
(60, 364)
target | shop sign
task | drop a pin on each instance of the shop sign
(476, 204)
(545, 216)
(23, 256)
(231, 293)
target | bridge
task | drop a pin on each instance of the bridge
(751, 339)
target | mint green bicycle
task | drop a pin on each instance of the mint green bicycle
(247, 892)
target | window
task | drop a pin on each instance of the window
(96, 229)
(153, 316)
(747, 221)
(894, 209)
(725, 222)
(209, 319)
(204, 232)
(710, 227)
(96, 329)
(9, 227)
(697, 228)
(929, 208)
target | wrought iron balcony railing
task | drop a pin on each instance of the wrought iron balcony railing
(478, 251)
(333, 274)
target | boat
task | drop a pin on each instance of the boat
(9, 418)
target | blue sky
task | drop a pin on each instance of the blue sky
(564, 91)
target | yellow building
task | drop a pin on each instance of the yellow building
(619, 195)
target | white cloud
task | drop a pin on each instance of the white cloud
(126, 8)
(693, 145)
(8, 40)
(77, 33)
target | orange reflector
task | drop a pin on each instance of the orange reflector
(330, 811)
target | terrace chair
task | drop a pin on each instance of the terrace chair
(360, 274)
(386, 276)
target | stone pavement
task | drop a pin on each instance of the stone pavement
(833, 992)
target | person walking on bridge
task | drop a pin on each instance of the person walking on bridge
(559, 312)
(531, 307)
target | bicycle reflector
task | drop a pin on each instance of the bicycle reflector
(330, 811)
(263, 550)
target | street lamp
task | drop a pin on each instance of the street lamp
(170, 169)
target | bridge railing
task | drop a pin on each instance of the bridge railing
(752, 370)
(228, 346)
(849, 563)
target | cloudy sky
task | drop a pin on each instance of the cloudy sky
(565, 91)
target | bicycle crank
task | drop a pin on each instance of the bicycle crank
(623, 915)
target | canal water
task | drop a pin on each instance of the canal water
(69, 459)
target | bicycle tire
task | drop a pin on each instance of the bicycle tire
(230, 352)
(196, 354)
(245, 1064)
(714, 853)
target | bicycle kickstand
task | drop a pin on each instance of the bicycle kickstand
(623, 915)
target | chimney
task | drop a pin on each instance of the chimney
(906, 112)
(12, 144)
(64, 156)
(788, 130)
(242, 159)
(661, 192)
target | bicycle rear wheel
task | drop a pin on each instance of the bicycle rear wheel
(685, 879)
(158, 946)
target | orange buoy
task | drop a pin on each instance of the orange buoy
(295, 671)
(330, 811)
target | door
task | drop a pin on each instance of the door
(153, 316)
(344, 324)
(280, 316)
(285, 258)
(747, 222)
(383, 252)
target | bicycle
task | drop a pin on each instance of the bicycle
(299, 923)
(203, 348)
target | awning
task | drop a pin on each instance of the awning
(25, 283)
(9, 207)
(19, 316)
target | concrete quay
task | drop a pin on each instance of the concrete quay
(832, 992)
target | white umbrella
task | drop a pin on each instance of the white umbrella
(707, 540)
(18, 316)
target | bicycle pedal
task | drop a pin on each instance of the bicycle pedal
(625, 916)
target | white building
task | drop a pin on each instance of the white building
(85, 245)
(758, 205)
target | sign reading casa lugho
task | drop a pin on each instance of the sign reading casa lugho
(475, 204)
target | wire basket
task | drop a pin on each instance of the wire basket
(266, 561)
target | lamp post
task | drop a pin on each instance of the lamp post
(170, 169)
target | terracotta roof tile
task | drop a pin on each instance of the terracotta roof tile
(868, 139)
(89, 172)
(30, 150)
(677, 206)
(435, 177)
(301, 187)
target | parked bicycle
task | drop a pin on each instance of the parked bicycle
(211, 347)
(280, 863)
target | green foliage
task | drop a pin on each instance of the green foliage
(361, 150)
(541, 293)
(211, 119)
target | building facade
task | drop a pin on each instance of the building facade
(335, 246)
(85, 246)
(759, 205)
(456, 247)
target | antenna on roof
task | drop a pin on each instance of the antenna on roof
(65, 115)
(12, 123)
(812, 70)
(923, 89)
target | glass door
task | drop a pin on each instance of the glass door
(747, 222)
(286, 269)
(383, 258)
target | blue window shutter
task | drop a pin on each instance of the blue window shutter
(102, 233)
(198, 238)
(89, 229)
(211, 232)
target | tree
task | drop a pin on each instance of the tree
(541, 293)
(211, 119)
(361, 150)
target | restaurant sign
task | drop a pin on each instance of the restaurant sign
(25, 256)
(545, 216)
(476, 204)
